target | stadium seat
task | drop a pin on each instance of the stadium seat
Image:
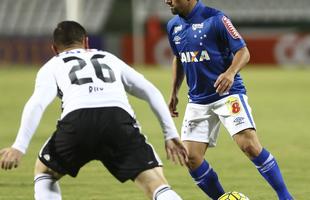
(37, 17)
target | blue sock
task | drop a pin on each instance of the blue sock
(206, 178)
(269, 169)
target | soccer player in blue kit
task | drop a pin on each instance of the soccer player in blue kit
(210, 52)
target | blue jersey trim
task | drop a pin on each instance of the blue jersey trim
(246, 109)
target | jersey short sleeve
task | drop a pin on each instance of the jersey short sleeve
(228, 33)
(170, 29)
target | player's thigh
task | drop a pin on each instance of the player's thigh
(235, 113)
(200, 124)
(149, 180)
(125, 151)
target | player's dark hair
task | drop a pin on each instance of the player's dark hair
(68, 32)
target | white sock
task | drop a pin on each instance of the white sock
(46, 187)
(164, 192)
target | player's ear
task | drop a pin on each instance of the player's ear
(86, 43)
(54, 49)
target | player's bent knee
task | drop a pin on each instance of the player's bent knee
(194, 161)
(149, 180)
(251, 150)
(196, 153)
(41, 168)
(248, 142)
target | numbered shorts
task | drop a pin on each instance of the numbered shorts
(202, 122)
(109, 135)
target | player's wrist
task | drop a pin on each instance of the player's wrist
(171, 135)
(19, 147)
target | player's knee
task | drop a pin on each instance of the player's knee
(194, 161)
(151, 179)
(41, 168)
(250, 148)
(248, 142)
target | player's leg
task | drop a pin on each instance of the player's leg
(125, 152)
(46, 184)
(155, 186)
(264, 161)
(201, 171)
(235, 114)
(200, 131)
(61, 148)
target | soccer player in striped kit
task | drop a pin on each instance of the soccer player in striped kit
(210, 52)
(97, 121)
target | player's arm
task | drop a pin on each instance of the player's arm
(177, 79)
(138, 86)
(177, 69)
(42, 96)
(226, 79)
(228, 34)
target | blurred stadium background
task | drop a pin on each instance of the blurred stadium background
(278, 80)
(277, 31)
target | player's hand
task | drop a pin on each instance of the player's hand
(10, 158)
(173, 106)
(224, 82)
(176, 151)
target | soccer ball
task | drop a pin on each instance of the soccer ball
(233, 196)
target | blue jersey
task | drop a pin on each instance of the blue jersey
(205, 42)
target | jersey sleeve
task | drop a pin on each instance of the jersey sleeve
(228, 33)
(170, 38)
(136, 85)
(44, 93)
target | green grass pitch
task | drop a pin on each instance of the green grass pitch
(280, 100)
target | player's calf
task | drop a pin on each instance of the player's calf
(164, 192)
(46, 187)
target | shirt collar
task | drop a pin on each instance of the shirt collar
(72, 51)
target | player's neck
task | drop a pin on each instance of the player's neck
(72, 47)
(190, 7)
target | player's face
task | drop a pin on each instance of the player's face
(179, 7)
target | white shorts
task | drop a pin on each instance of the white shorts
(202, 122)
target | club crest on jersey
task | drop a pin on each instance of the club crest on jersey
(233, 105)
(230, 28)
(194, 56)
(197, 26)
(177, 29)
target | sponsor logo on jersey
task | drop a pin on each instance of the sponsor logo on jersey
(238, 121)
(95, 89)
(177, 39)
(177, 29)
(233, 105)
(194, 56)
(230, 28)
(197, 26)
